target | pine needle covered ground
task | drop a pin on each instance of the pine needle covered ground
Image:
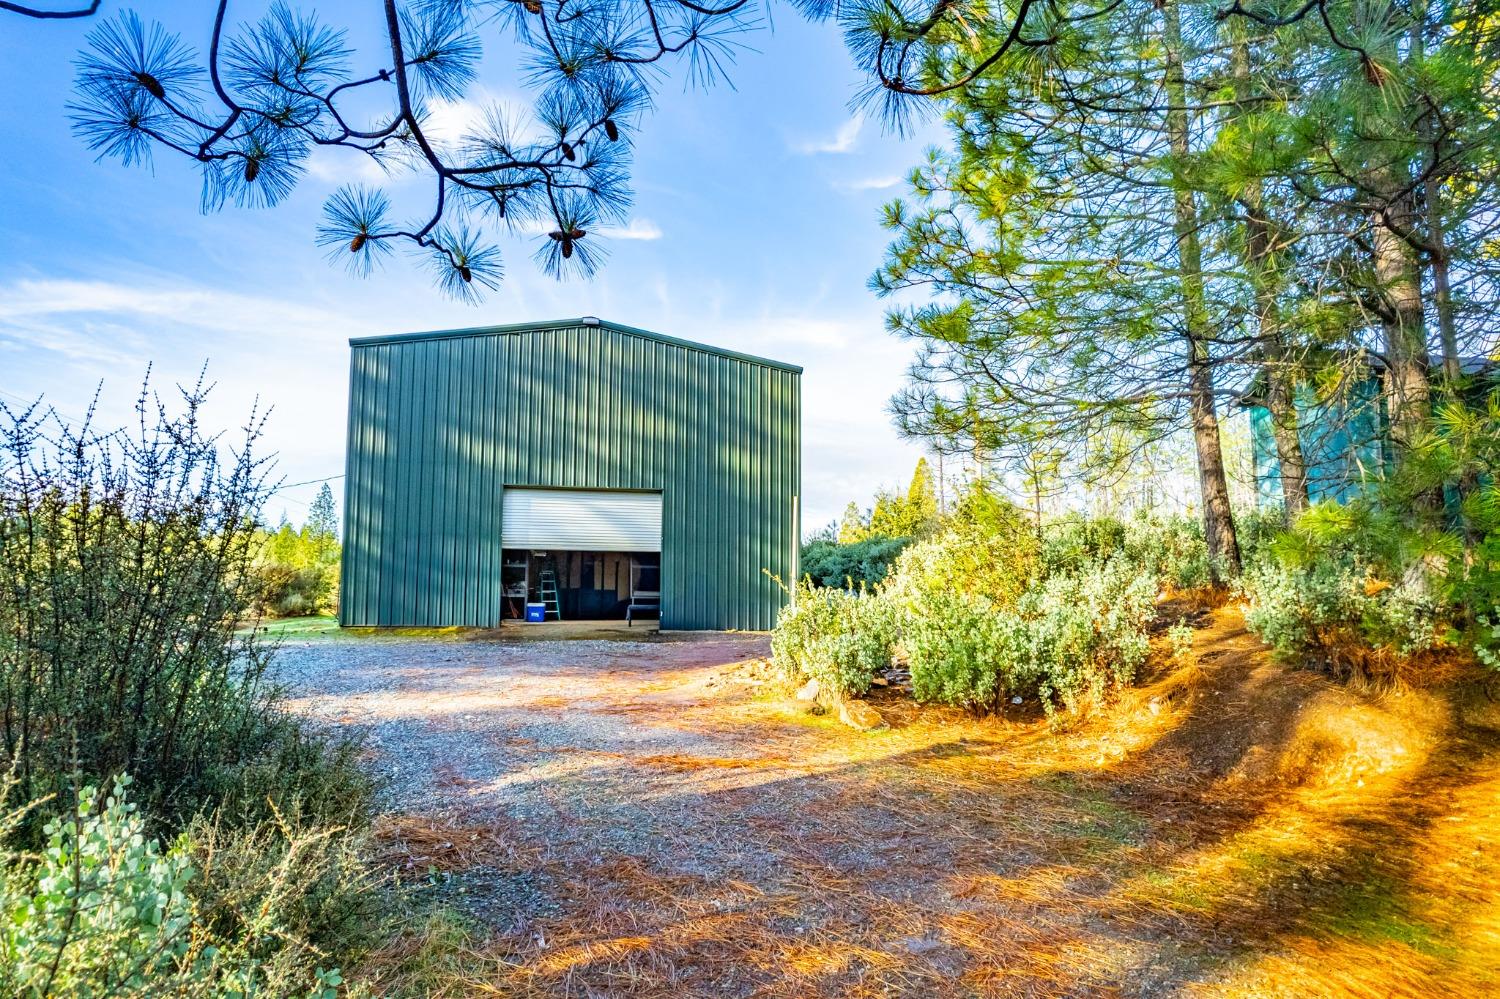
(662, 819)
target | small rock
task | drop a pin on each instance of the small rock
(1154, 706)
(858, 714)
(808, 691)
(921, 945)
(879, 681)
(1015, 700)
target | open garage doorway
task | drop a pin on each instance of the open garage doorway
(581, 554)
(591, 586)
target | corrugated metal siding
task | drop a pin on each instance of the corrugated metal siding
(581, 520)
(1342, 445)
(439, 426)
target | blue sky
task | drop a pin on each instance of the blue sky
(755, 227)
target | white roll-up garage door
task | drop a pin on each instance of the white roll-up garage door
(581, 520)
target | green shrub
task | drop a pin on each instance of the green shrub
(125, 571)
(310, 774)
(840, 638)
(1409, 569)
(1258, 532)
(106, 911)
(1335, 610)
(1067, 640)
(997, 560)
(1074, 541)
(1171, 548)
(285, 889)
(864, 562)
(961, 651)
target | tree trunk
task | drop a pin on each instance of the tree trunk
(1281, 402)
(1408, 376)
(1262, 264)
(1442, 293)
(1218, 520)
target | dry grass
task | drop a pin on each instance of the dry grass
(420, 843)
(1227, 828)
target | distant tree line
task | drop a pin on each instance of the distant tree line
(297, 570)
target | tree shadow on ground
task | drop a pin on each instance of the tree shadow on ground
(953, 858)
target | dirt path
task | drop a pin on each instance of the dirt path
(656, 819)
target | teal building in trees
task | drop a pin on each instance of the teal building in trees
(1344, 443)
(579, 469)
(1344, 432)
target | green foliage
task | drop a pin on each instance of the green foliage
(1258, 530)
(894, 515)
(125, 563)
(995, 557)
(1086, 631)
(832, 563)
(984, 611)
(1172, 548)
(125, 569)
(1068, 640)
(285, 889)
(312, 775)
(1353, 585)
(1334, 612)
(297, 572)
(112, 895)
(1074, 541)
(1375, 583)
(958, 647)
(106, 911)
(1180, 641)
(840, 638)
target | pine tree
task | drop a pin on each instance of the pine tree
(853, 526)
(921, 495)
(1065, 241)
(322, 520)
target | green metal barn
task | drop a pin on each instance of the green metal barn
(587, 467)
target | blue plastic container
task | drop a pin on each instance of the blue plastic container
(536, 613)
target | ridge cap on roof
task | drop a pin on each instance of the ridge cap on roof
(553, 324)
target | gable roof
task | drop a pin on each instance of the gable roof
(554, 324)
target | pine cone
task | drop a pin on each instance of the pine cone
(152, 84)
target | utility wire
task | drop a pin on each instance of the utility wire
(309, 482)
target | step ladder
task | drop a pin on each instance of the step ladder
(547, 590)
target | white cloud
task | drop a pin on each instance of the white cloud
(64, 338)
(343, 166)
(852, 367)
(842, 141)
(29, 301)
(448, 121)
(868, 184)
(637, 229)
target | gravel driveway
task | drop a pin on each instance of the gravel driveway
(660, 818)
(481, 730)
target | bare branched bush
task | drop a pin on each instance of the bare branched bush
(126, 559)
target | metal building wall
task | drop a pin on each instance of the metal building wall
(1343, 444)
(440, 423)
